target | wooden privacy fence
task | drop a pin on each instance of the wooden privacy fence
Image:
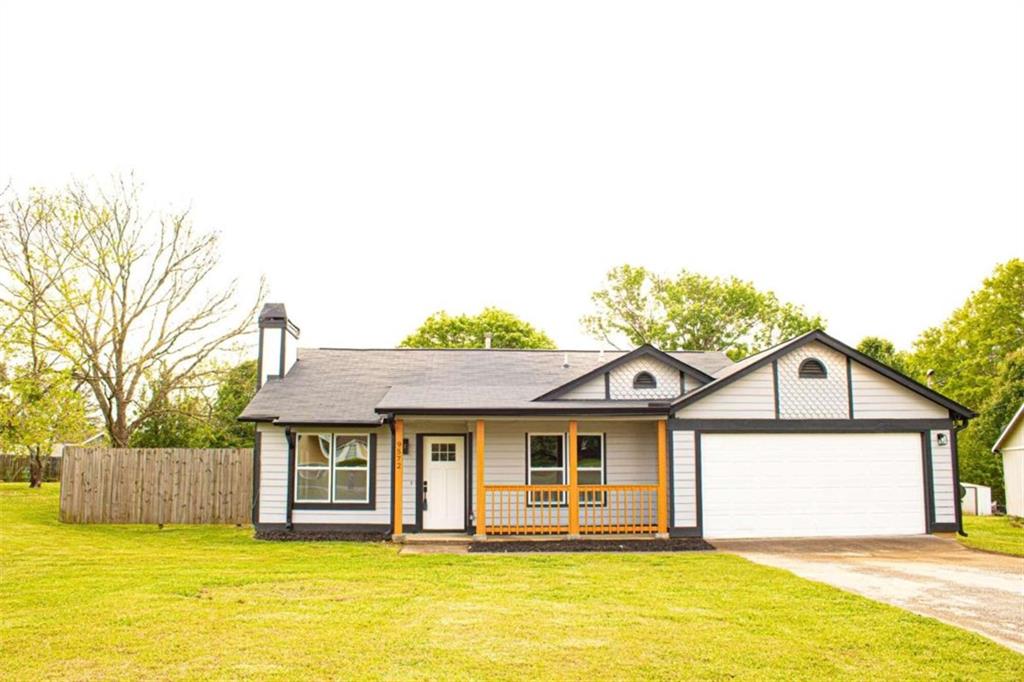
(15, 468)
(143, 485)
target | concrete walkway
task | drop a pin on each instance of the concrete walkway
(930, 575)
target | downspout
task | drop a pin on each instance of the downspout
(957, 427)
(290, 499)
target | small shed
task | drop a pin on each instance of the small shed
(1011, 446)
(977, 499)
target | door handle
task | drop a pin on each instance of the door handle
(424, 494)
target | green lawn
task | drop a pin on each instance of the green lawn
(1003, 534)
(90, 602)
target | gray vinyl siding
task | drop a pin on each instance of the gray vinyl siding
(684, 482)
(750, 397)
(588, 390)
(942, 478)
(878, 397)
(273, 492)
(274, 481)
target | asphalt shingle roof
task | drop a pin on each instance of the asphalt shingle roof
(349, 385)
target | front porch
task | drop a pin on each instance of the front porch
(580, 503)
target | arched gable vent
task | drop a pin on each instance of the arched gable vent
(644, 380)
(812, 368)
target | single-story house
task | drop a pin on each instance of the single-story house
(808, 438)
(1010, 445)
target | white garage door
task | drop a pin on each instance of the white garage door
(802, 485)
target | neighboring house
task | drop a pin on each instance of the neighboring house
(977, 499)
(95, 440)
(1010, 445)
(809, 438)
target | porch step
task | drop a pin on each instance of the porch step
(450, 539)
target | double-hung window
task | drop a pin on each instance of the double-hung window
(545, 458)
(333, 468)
(547, 463)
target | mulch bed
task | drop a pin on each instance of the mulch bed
(670, 545)
(327, 535)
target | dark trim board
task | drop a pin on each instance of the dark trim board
(944, 528)
(353, 532)
(849, 385)
(290, 438)
(698, 482)
(256, 445)
(808, 425)
(651, 408)
(670, 466)
(685, 533)
(775, 386)
(466, 465)
(320, 527)
(470, 488)
(929, 481)
(957, 506)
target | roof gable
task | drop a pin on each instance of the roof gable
(644, 351)
(730, 374)
(1010, 427)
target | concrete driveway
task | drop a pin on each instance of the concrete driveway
(930, 575)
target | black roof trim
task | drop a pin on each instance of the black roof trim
(644, 350)
(333, 422)
(834, 344)
(527, 412)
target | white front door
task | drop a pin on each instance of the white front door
(444, 483)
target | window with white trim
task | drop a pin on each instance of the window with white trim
(332, 468)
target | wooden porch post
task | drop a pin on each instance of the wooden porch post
(662, 478)
(481, 494)
(574, 494)
(397, 470)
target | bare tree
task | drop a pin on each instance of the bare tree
(128, 301)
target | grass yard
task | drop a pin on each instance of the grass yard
(90, 602)
(1002, 534)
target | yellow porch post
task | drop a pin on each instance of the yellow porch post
(574, 494)
(397, 469)
(481, 494)
(662, 477)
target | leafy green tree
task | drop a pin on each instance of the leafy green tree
(978, 464)
(39, 407)
(442, 330)
(121, 293)
(236, 388)
(691, 311)
(191, 419)
(179, 420)
(975, 359)
(885, 351)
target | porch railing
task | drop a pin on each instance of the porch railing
(544, 509)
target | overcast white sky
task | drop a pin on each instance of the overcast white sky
(379, 161)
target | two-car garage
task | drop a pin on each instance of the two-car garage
(811, 484)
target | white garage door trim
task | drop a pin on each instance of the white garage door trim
(811, 485)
